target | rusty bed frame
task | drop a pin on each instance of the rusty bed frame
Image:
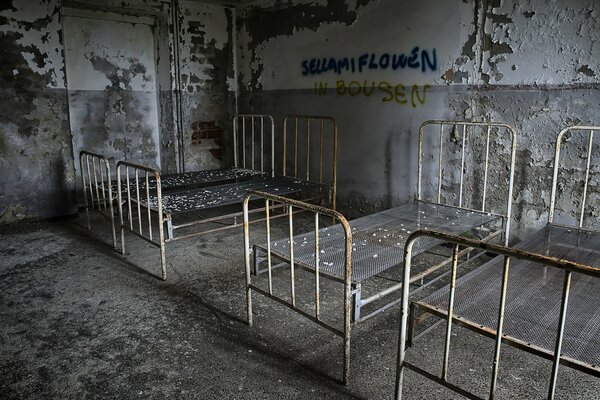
(99, 185)
(136, 213)
(345, 273)
(462, 300)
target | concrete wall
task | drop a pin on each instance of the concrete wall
(118, 105)
(534, 64)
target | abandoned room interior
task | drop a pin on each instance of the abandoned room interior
(261, 199)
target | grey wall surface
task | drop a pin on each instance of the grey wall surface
(534, 64)
(110, 109)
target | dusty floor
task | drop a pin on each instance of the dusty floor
(78, 320)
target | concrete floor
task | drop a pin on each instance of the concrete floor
(78, 320)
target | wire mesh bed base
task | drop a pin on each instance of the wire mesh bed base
(378, 239)
(534, 297)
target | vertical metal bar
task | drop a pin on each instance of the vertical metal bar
(308, 120)
(96, 181)
(296, 148)
(284, 146)
(83, 186)
(560, 334)
(247, 261)
(137, 193)
(321, 151)
(335, 146)
(273, 147)
(243, 142)
(347, 297)
(87, 160)
(269, 261)
(120, 205)
(161, 228)
(262, 144)
(148, 207)
(420, 162)
(100, 166)
(317, 266)
(587, 176)
(485, 171)
(235, 141)
(292, 275)
(129, 198)
(252, 150)
(462, 165)
(500, 327)
(440, 165)
(110, 205)
(404, 313)
(450, 312)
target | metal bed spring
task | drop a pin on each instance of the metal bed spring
(377, 238)
(96, 185)
(103, 190)
(152, 199)
(530, 309)
(533, 260)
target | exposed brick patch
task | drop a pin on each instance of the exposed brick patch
(208, 130)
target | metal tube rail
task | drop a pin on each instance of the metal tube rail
(291, 204)
(568, 266)
(138, 200)
(100, 192)
(559, 140)
(465, 125)
(264, 120)
(320, 119)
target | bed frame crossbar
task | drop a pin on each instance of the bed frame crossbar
(96, 183)
(569, 267)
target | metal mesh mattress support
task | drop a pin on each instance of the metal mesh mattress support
(534, 295)
(190, 180)
(232, 193)
(378, 239)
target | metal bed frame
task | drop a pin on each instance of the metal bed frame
(135, 192)
(96, 183)
(102, 189)
(344, 253)
(528, 300)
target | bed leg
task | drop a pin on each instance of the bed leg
(114, 230)
(163, 261)
(356, 302)
(254, 260)
(411, 324)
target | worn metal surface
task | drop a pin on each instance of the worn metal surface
(96, 183)
(526, 259)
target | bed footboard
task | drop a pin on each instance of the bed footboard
(137, 205)
(97, 188)
(270, 202)
(510, 254)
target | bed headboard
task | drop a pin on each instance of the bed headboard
(571, 135)
(253, 134)
(299, 151)
(458, 142)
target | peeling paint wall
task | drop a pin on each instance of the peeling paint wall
(123, 107)
(36, 169)
(533, 64)
(207, 79)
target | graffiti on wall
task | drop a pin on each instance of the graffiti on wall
(416, 59)
(387, 92)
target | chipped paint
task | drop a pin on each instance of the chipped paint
(532, 64)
